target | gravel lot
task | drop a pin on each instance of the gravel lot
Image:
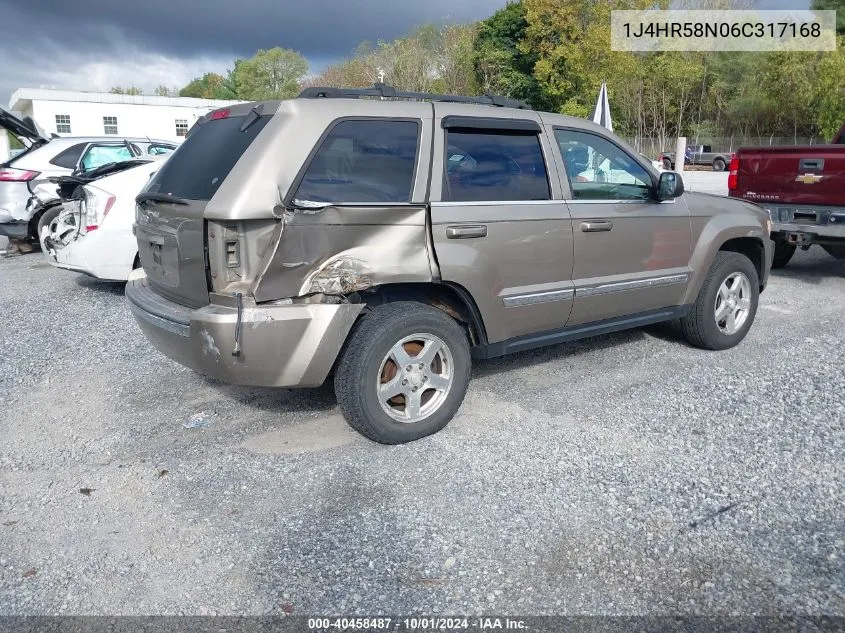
(626, 474)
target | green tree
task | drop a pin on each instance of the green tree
(209, 86)
(269, 74)
(832, 5)
(163, 91)
(502, 64)
(131, 90)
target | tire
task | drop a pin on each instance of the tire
(719, 164)
(367, 360)
(835, 250)
(700, 326)
(48, 216)
(667, 164)
(783, 253)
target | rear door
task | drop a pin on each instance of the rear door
(499, 226)
(631, 252)
(169, 225)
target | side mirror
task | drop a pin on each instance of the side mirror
(669, 186)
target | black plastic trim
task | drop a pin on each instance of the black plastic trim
(576, 332)
(389, 92)
(490, 123)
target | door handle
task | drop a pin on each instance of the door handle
(811, 164)
(594, 226)
(466, 231)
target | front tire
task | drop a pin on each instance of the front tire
(726, 305)
(403, 372)
(667, 164)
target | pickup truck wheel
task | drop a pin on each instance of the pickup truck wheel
(667, 164)
(726, 305)
(403, 372)
(835, 250)
(783, 253)
(718, 165)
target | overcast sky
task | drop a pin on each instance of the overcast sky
(96, 44)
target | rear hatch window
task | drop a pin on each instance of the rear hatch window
(202, 162)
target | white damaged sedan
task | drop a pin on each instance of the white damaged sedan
(91, 232)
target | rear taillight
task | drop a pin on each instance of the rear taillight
(733, 174)
(8, 174)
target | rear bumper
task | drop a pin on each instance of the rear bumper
(15, 230)
(291, 345)
(102, 254)
(808, 224)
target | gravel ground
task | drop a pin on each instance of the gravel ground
(626, 474)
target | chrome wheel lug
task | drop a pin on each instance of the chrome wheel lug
(405, 382)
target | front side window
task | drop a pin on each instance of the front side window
(363, 161)
(181, 127)
(63, 124)
(600, 170)
(487, 165)
(98, 155)
(110, 124)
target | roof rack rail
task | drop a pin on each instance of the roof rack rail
(389, 92)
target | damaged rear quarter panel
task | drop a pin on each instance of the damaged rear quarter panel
(344, 249)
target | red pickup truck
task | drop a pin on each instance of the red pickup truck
(803, 190)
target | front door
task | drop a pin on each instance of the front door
(499, 226)
(631, 251)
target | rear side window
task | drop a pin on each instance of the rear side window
(201, 163)
(69, 157)
(363, 161)
(485, 165)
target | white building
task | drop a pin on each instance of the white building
(72, 113)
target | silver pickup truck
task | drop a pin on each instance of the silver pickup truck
(699, 155)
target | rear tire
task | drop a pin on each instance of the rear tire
(48, 216)
(835, 250)
(434, 375)
(667, 164)
(726, 305)
(718, 165)
(783, 253)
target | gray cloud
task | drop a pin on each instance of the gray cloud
(93, 44)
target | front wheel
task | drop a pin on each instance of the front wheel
(726, 305)
(403, 372)
(667, 164)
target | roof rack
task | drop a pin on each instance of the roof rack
(389, 92)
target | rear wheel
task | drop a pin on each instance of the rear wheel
(48, 216)
(719, 165)
(783, 253)
(726, 305)
(836, 250)
(667, 164)
(403, 372)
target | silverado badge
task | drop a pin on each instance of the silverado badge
(808, 179)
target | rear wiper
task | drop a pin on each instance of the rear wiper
(151, 196)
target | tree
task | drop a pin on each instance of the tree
(832, 5)
(164, 91)
(209, 86)
(131, 90)
(502, 64)
(269, 74)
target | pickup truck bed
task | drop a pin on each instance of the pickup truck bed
(803, 190)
